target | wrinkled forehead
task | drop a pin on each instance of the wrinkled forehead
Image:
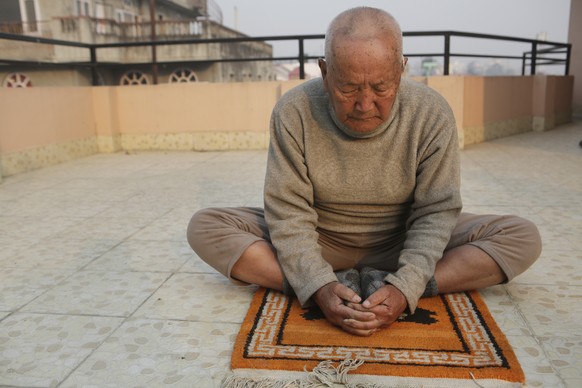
(368, 53)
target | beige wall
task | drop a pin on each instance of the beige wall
(487, 108)
(213, 107)
(43, 126)
(45, 116)
(552, 101)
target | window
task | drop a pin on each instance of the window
(83, 7)
(126, 17)
(100, 16)
(183, 75)
(29, 16)
(134, 77)
(17, 80)
(195, 28)
(10, 11)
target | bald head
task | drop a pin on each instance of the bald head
(363, 24)
(363, 67)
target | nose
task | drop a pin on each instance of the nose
(365, 100)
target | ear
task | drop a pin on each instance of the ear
(323, 67)
(404, 63)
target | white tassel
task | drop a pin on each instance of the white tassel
(325, 374)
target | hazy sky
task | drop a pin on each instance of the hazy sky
(519, 18)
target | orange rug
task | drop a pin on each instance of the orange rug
(451, 341)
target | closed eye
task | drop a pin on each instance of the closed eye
(348, 90)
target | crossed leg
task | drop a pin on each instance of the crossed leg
(461, 269)
(483, 250)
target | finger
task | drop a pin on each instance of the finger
(359, 332)
(356, 306)
(359, 315)
(377, 297)
(378, 309)
(347, 294)
(362, 326)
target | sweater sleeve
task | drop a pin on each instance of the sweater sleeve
(435, 207)
(289, 210)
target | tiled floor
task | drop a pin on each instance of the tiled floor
(99, 288)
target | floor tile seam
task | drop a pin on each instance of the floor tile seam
(81, 362)
(73, 273)
(517, 310)
(577, 287)
(134, 318)
(530, 284)
(151, 295)
(35, 217)
(529, 326)
(199, 272)
(48, 289)
(99, 217)
(145, 224)
(20, 386)
(122, 271)
(545, 356)
(155, 240)
(122, 321)
(7, 183)
(84, 267)
(57, 232)
(539, 341)
(53, 313)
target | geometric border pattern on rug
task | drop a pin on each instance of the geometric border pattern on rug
(484, 350)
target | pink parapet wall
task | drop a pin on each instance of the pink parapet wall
(44, 126)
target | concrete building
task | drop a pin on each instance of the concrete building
(116, 21)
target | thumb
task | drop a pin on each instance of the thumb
(373, 300)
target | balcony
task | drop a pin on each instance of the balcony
(97, 283)
(99, 287)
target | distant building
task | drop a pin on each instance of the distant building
(113, 21)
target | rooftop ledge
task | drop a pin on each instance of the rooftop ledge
(50, 125)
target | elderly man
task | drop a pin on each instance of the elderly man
(362, 199)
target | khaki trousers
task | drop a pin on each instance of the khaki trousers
(219, 236)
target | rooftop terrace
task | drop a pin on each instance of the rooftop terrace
(98, 286)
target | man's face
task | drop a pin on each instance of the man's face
(362, 80)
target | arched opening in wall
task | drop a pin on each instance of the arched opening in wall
(182, 75)
(17, 80)
(134, 77)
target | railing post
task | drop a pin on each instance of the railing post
(447, 53)
(94, 75)
(301, 60)
(154, 55)
(523, 59)
(568, 53)
(534, 55)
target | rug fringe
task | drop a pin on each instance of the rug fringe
(324, 375)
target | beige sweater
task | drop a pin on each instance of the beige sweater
(403, 178)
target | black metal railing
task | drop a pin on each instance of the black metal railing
(539, 53)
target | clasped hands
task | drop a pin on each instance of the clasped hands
(344, 308)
